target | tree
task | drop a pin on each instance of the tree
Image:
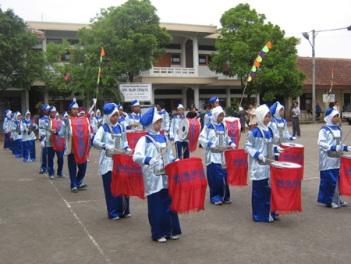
(20, 64)
(244, 32)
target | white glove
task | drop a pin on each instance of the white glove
(94, 101)
(109, 147)
(233, 146)
(42, 144)
(262, 158)
(293, 138)
(348, 148)
(338, 148)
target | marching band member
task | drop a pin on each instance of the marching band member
(95, 122)
(50, 149)
(213, 102)
(6, 126)
(213, 136)
(43, 127)
(152, 153)
(279, 125)
(123, 117)
(259, 146)
(134, 116)
(165, 117)
(182, 146)
(28, 138)
(330, 149)
(76, 177)
(17, 134)
(105, 140)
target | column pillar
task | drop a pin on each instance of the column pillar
(228, 101)
(183, 54)
(184, 97)
(196, 96)
(258, 99)
(46, 96)
(196, 55)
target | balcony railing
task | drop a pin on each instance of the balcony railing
(201, 71)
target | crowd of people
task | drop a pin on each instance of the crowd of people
(75, 131)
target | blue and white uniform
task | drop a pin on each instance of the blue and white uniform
(279, 125)
(152, 153)
(123, 118)
(17, 135)
(330, 148)
(43, 123)
(213, 136)
(259, 146)
(165, 121)
(28, 138)
(6, 126)
(95, 122)
(182, 146)
(76, 171)
(134, 118)
(105, 140)
(51, 151)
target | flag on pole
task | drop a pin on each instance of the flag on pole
(257, 63)
(102, 54)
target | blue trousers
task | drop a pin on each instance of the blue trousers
(261, 200)
(76, 177)
(327, 185)
(28, 150)
(7, 141)
(182, 149)
(51, 156)
(18, 148)
(116, 205)
(217, 182)
(44, 159)
(163, 222)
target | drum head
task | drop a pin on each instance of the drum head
(292, 145)
(285, 164)
(183, 129)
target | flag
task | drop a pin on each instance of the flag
(102, 54)
(258, 60)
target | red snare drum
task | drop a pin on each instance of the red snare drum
(133, 138)
(285, 182)
(345, 175)
(237, 167)
(233, 127)
(187, 185)
(293, 152)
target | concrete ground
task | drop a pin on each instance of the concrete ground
(41, 221)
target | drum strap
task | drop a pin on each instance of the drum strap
(338, 140)
(157, 146)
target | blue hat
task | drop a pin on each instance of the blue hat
(275, 108)
(135, 103)
(109, 108)
(213, 99)
(73, 104)
(146, 118)
(329, 111)
(52, 109)
(44, 107)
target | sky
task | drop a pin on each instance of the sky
(293, 16)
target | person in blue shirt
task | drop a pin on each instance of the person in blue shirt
(43, 127)
(134, 117)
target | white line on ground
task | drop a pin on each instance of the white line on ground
(311, 178)
(92, 239)
(85, 201)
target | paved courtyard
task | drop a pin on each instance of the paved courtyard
(41, 221)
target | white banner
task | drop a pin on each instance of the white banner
(136, 91)
(328, 98)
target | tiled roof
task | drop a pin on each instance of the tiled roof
(324, 68)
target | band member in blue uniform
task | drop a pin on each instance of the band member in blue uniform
(6, 126)
(134, 117)
(43, 127)
(153, 154)
(165, 117)
(51, 151)
(214, 138)
(111, 138)
(330, 149)
(17, 135)
(213, 102)
(260, 149)
(76, 171)
(28, 138)
(279, 125)
(182, 145)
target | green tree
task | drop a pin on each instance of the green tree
(244, 32)
(20, 64)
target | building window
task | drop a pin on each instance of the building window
(204, 59)
(175, 58)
